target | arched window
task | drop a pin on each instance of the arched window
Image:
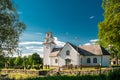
(94, 60)
(88, 60)
(67, 52)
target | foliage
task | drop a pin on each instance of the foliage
(18, 61)
(114, 75)
(109, 28)
(32, 61)
(10, 27)
(2, 61)
(36, 58)
(25, 61)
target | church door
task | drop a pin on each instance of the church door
(67, 61)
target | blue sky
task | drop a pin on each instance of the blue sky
(66, 19)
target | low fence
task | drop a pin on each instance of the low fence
(37, 72)
(83, 72)
(61, 72)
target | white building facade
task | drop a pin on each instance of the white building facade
(90, 55)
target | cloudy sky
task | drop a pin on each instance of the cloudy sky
(66, 19)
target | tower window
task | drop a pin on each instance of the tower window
(47, 35)
(67, 52)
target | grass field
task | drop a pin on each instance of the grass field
(113, 75)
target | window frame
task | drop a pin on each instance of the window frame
(88, 60)
(67, 53)
(94, 60)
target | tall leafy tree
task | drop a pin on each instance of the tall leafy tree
(36, 59)
(2, 60)
(109, 28)
(18, 61)
(30, 60)
(10, 27)
(11, 61)
(25, 61)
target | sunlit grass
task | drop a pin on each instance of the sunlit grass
(21, 75)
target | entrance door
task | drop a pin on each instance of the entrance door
(67, 61)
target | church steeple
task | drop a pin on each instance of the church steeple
(48, 47)
(49, 38)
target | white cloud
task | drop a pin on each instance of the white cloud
(91, 17)
(28, 43)
(29, 47)
(94, 40)
(59, 43)
(87, 44)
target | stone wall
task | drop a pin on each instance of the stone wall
(19, 71)
(82, 72)
(61, 72)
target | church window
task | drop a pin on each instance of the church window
(88, 60)
(94, 60)
(67, 52)
(56, 60)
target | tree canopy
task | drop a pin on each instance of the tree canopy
(10, 27)
(35, 59)
(109, 28)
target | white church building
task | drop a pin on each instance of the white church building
(88, 55)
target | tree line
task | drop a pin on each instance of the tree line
(28, 62)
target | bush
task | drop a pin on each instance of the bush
(37, 67)
(114, 75)
(115, 66)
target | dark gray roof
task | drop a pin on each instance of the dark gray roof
(87, 50)
(56, 49)
(55, 52)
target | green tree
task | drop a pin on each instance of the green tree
(11, 61)
(2, 61)
(25, 61)
(10, 27)
(36, 58)
(109, 28)
(30, 60)
(18, 61)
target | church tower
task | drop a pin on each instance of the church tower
(48, 46)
